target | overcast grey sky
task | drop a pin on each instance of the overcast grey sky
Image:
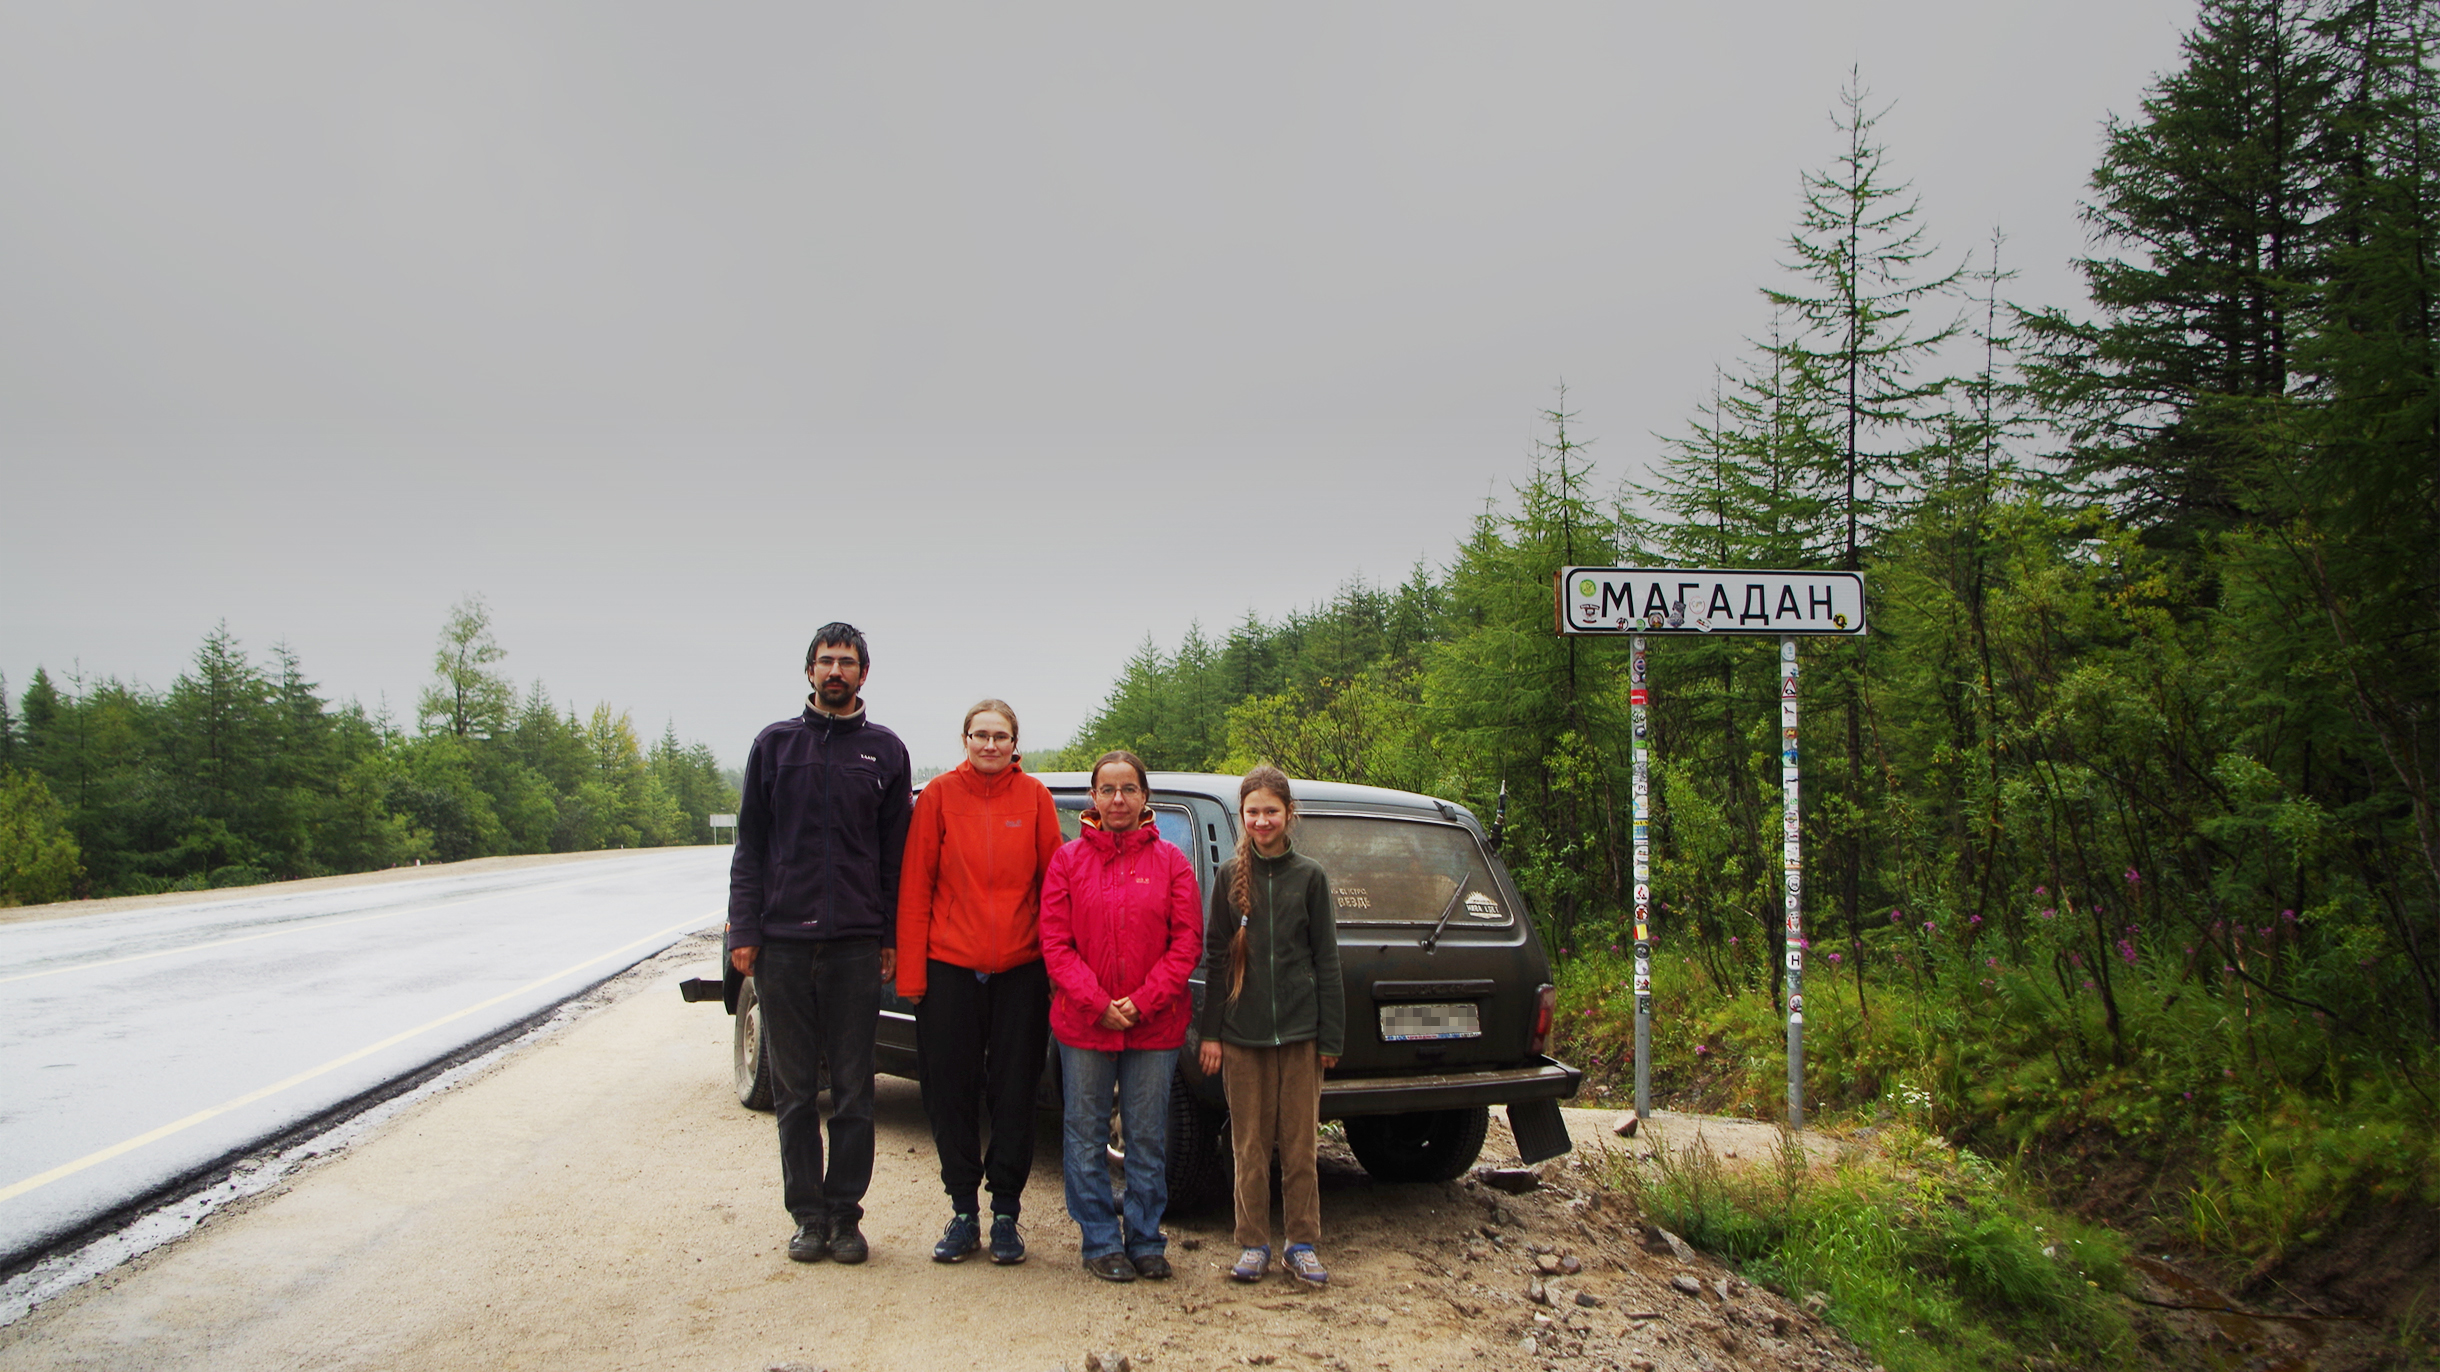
(1012, 333)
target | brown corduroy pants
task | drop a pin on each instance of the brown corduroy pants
(1275, 1101)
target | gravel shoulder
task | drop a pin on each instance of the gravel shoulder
(597, 1200)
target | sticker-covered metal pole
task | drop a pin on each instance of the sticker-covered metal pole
(1638, 701)
(1792, 868)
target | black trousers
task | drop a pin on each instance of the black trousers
(980, 1044)
(822, 1000)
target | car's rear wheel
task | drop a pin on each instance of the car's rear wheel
(1427, 1145)
(749, 1050)
(1198, 1150)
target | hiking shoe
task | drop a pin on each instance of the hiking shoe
(1111, 1267)
(1006, 1248)
(810, 1243)
(1306, 1265)
(847, 1243)
(1251, 1264)
(962, 1237)
(1152, 1267)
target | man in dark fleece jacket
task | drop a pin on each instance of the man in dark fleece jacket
(813, 918)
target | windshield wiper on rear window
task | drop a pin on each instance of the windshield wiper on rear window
(1456, 898)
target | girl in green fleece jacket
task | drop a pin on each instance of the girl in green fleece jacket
(1273, 1021)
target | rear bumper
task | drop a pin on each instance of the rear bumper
(1548, 1079)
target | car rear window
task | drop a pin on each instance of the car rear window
(1398, 871)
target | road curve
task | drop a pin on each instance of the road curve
(139, 1047)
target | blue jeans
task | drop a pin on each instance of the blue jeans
(1138, 1080)
(822, 1001)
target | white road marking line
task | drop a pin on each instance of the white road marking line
(216, 943)
(94, 1159)
(300, 928)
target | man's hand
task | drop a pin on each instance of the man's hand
(743, 960)
(1208, 1058)
(1328, 1062)
(889, 964)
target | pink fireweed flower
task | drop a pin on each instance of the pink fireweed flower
(2134, 878)
(1991, 963)
(2288, 915)
(1973, 921)
(2126, 950)
(1834, 959)
(2075, 959)
(1930, 928)
(2051, 913)
(2041, 890)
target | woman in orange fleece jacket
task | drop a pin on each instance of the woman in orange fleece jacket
(970, 959)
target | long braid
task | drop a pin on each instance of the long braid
(1241, 897)
(1264, 777)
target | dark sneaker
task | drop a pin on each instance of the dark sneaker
(1006, 1248)
(1111, 1267)
(961, 1238)
(847, 1243)
(1152, 1267)
(811, 1242)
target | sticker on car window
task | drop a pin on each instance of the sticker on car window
(1481, 906)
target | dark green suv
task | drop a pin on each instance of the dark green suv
(1449, 995)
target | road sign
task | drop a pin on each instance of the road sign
(724, 821)
(1688, 601)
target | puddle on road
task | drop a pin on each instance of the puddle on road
(2235, 1341)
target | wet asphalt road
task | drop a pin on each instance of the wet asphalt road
(140, 1046)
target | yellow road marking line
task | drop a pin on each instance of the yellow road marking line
(69, 1169)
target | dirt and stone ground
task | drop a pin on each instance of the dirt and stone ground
(596, 1199)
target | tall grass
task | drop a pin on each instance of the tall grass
(1928, 1255)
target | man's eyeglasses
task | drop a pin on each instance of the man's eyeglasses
(992, 740)
(828, 663)
(1131, 792)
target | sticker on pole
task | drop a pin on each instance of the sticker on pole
(1694, 601)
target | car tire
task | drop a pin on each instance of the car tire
(1427, 1145)
(750, 1051)
(1198, 1150)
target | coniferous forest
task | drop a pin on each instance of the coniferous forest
(2120, 826)
(241, 773)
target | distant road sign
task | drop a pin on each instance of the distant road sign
(1692, 600)
(724, 821)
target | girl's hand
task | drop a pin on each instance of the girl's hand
(1118, 1016)
(1329, 1061)
(1208, 1057)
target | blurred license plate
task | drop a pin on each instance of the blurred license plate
(1405, 1023)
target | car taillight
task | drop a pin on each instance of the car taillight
(1545, 1009)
